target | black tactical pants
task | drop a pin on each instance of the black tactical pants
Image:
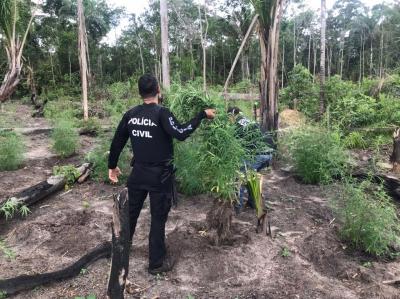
(160, 204)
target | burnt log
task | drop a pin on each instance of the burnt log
(33, 194)
(20, 283)
(121, 245)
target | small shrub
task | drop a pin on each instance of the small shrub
(91, 126)
(65, 138)
(70, 173)
(317, 154)
(11, 151)
(99, 159)
(12, 206)
(64, 107)
(369, 219)
(355, 140)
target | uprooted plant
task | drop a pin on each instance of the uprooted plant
(211, 160)
(13, 206)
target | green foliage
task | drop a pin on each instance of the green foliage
(353, 111)
(12, 206)
(65, 138)
(317, 154)
(301, 89)
(62, 107)
(92, 126)
(187, 101)
(211, 160)
(87, 297)
(388, 110)
(285, 252)
(70, 173)
(355, 140)
(3, 294)
(99, 159)
(244, 86)
(8, 253)
(254, 187)
(11, 151)
(369, 219)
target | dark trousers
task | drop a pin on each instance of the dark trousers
(160, 204)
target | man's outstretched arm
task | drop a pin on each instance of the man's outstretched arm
(182, 131)
(120, 138)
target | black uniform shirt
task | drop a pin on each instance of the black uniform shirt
(151, 128)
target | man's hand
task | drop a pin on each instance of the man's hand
(113, 175)
(210, 113)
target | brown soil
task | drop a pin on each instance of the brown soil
(62, 228)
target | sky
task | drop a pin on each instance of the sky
(139, 6)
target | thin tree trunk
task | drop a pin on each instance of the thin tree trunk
(70, 66)
(283, 63)
(371, 57)
(82, 59)
(381, 57)
(141, 57)
(309, 53)
(360, 66)
(315, 60)
(322, 62)
(52, 69)
(203, 45)
(294, 42)
(164, 44)
(244, 41)
(191, 59)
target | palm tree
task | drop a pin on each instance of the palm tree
(270, 14)
(14, 45)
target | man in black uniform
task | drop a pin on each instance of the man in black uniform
(151, 128)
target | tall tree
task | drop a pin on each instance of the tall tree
(203, 37)
(82, 44)
(10, 16)
(164, 43)
(270, 13)
(322, 61)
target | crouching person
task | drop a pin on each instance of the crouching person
(259, 144)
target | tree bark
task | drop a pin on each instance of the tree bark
(269, 48)
(322, 62)
(395, 157)
(14, 48)
(82, 47)
(164, 44)
(121, 245)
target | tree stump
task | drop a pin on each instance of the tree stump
(219, 222)
(395, 157)
(121, 245)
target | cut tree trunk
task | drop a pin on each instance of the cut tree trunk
(20, 283)
(395, 157)
(121, 245)
(42, 190)
(219, 222)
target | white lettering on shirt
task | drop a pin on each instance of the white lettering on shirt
(142, 122)
(172, 123)
(140, 133)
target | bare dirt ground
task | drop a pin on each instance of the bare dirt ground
(304, 259)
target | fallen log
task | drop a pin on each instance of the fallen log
(20, 283)
(33, 194)
(121, 245)
(240, 96)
